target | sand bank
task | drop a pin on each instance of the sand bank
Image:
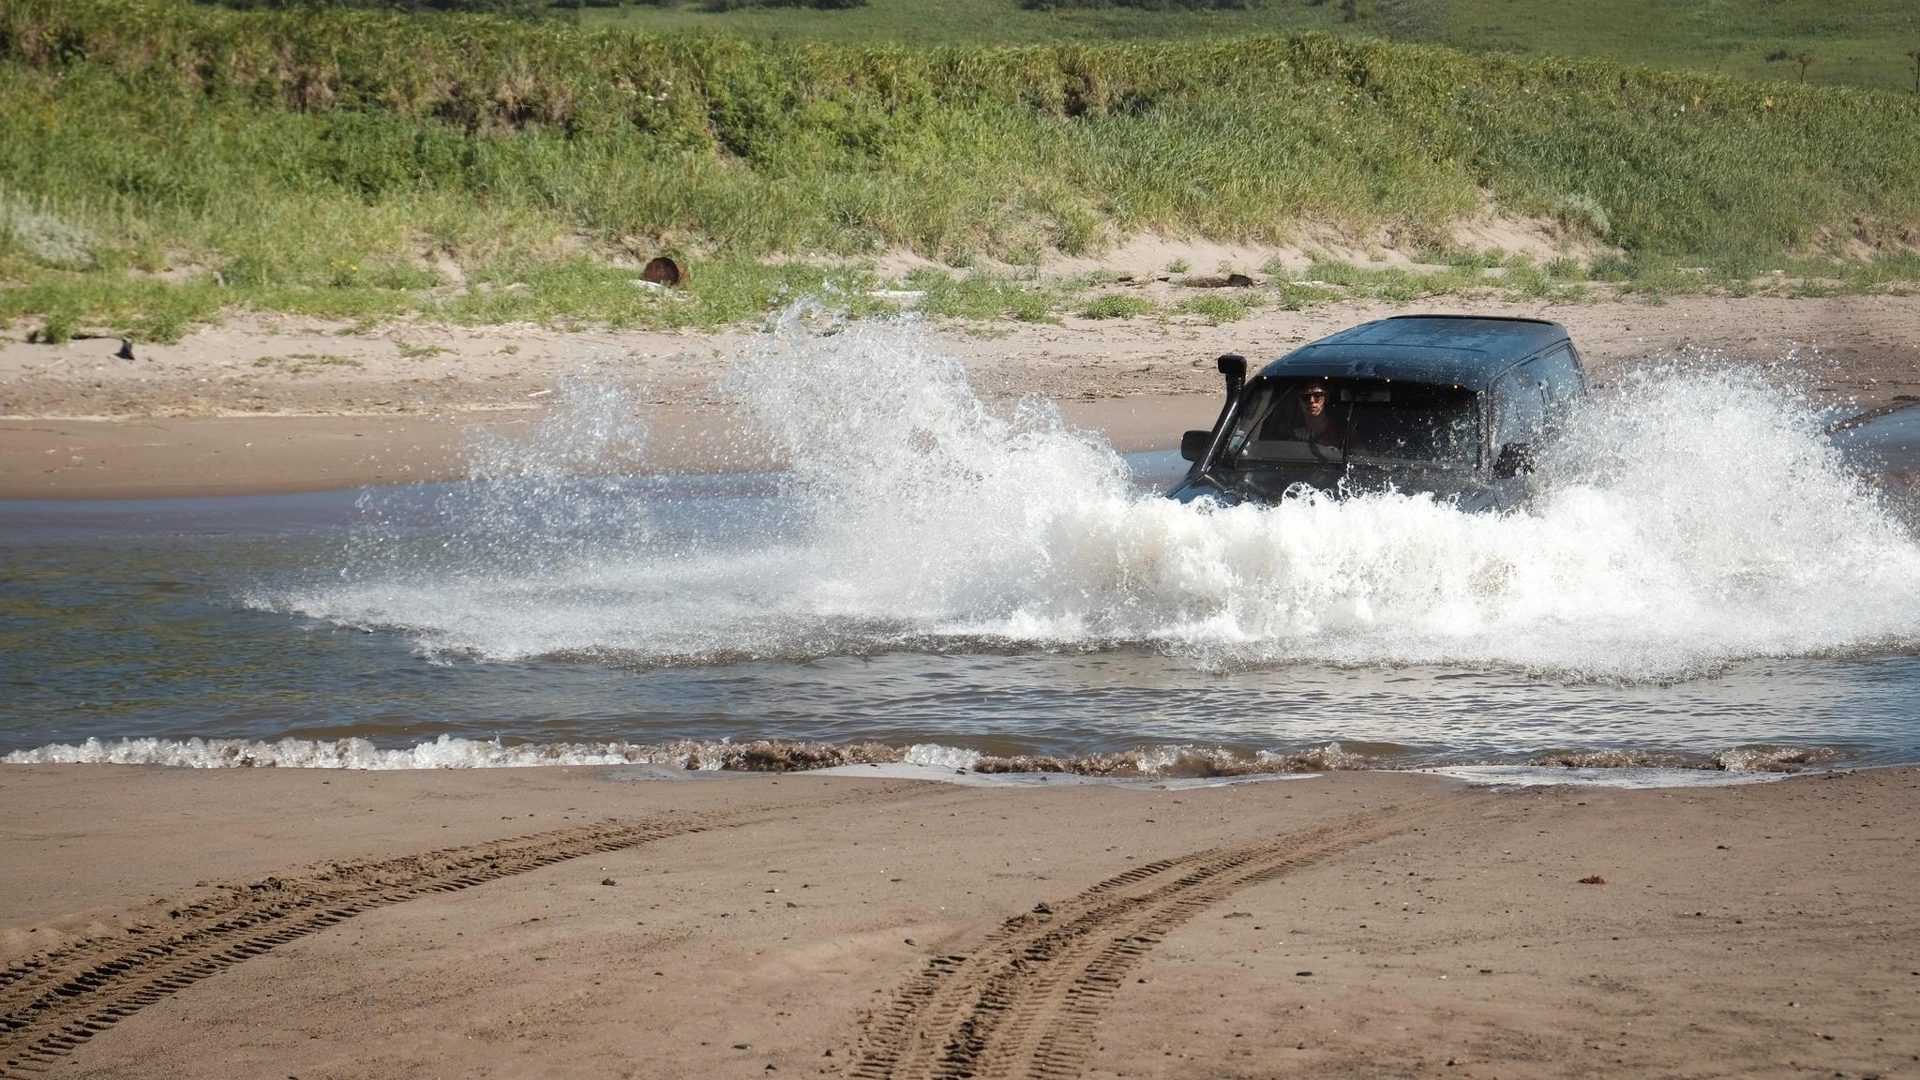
(595, 922)
(267, 405)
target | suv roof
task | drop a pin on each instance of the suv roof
(1459, 350)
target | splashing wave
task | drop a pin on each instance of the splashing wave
(1687, 521)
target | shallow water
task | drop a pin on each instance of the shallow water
(1707, 582)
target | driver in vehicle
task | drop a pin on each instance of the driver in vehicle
(1316, 424)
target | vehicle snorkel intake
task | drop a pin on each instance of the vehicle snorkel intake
(1233, 367)
(1197, 446)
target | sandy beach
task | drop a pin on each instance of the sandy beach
(618, 922)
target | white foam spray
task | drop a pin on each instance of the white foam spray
(1688, 521)
(937, 759)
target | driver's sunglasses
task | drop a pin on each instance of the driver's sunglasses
(1316, 394)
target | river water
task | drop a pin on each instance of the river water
(1707, 584)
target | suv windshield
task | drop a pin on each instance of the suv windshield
(1309, 420)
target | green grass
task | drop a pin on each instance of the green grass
(161, 163)
(984, 297)
(301, 363)
(575, 291)
(1219, 310)
(1116, 306)
(1853, 42)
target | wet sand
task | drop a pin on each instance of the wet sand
(608, 922)
(158, 457)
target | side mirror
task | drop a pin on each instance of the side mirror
(1514, 459)
(1193, 444)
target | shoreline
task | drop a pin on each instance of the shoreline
(617, 923)
(186, 457)
(1151, 763)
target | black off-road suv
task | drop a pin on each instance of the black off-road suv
(1448, 404)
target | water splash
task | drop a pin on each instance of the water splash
(1688, 521)
(562, 493)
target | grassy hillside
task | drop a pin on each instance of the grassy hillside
(1861, 43)
(159, 161)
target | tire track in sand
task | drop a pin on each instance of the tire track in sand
(52, 1002)
(1025, 1003)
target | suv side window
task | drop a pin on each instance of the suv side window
(1560, 377)
(1520, 408)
